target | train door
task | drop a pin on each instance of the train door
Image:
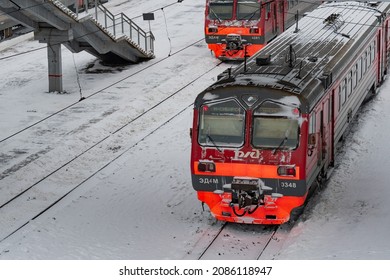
(326, 127)
(321, 140)
(281, 16)
(324, 135)
(379, 56)
(386, 47)
(331, 129)
(274, 16)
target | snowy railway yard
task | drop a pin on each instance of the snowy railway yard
(108, 177)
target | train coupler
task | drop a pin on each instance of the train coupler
(247, 194)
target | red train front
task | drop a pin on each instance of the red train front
(248, 160)
(235, 28)
(266, 131)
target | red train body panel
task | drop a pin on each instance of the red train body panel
(235, 28)
(265, 133)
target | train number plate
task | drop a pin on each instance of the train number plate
(290, 185)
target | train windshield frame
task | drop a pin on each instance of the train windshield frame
(275, 126)
(221, 9)
(222, 124)
(248, 10)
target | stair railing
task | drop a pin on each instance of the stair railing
(118, 25)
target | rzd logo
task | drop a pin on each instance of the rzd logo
(250, 154)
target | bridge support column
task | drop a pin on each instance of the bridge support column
(54, 38)
(55, 67)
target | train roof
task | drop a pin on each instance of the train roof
(304, 58)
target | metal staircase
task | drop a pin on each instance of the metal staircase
(112, 38)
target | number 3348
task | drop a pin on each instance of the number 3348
(288, 185)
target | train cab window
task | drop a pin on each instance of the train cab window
(275, 126)
(221, 124)
(248, 10)
(221, 9)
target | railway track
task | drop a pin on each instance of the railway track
(229, 241)
(89, 149)
(239, 241)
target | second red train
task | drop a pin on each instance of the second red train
(238, 28)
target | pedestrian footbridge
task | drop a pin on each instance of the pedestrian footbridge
(112, 38)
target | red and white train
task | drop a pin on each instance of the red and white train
(238, 28)
(266, 131)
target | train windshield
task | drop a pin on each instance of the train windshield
(275, 126)
(221, 9)
(221, 124)
(248, 10)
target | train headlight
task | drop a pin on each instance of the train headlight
(287, 170)
(254, 30)
(206, 166)
(213, 29)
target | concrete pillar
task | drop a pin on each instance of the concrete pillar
(55, 67)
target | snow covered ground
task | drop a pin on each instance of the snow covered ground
(134, 198)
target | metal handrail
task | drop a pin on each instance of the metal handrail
(120, 25)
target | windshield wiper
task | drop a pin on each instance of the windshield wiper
(212, 141)
(251, 15)
(217, 17)
(248, 17)
(281, 144)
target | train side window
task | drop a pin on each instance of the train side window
(369, 56)
(359, 69)
(349, 84)
(343, 91)
(364, 65)
(354, 76)
(267, 11)
(281, 7)
(365, 61)
(312, 127)
(339, 89)
(373, 51)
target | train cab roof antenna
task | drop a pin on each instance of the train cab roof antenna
(296, 21)
(291, 57)
(298, 76)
